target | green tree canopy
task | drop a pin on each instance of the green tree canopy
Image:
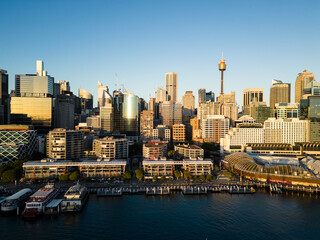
(139, 174)
(74, 176)
(209, 177)
(202, 177)
(9, 175)
(163, 178)
(155, 178)
(127, 176)
(177, 174)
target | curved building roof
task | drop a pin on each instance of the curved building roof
(85, 94)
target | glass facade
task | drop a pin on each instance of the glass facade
(33, 85)
(37, 111)
(314, 116)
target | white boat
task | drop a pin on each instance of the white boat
(74, 198)
(16, 200)
(37, 202)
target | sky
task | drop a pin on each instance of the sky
(135, 42)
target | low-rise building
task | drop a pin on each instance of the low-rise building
(111, 148)
(189, 151)
(162, 132)
(154, 150)
(50, 168)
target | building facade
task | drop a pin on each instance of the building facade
(279, 93)
(302, 81)
(111, 148)
(171, 83)
(179, 133)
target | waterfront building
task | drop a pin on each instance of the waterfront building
(188, 100)
(111, 148)
(286, 131)
(154, 150)
(162, 132)
(302, 81)
(279, 93)
(171, 113)
(161, 95)
(146, 124)
(286, 110)
(179, 133)
(50, 168)
(65, 144)
(251, 95)
(189, 151)
(171, 83)
(163, 167)
(17, 141)
(4, 97)
(238, 137)
(314, 117)
(86, 99)
(214, 127)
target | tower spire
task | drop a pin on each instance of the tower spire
(222, 68)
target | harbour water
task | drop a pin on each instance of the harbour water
(213, 216)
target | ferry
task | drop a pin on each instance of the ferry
(16, 200)
(37, 202)
(74, 198)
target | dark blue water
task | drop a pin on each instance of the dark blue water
(213, 216)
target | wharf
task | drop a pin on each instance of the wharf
(157, 191)
(194, 190)
(103, 192)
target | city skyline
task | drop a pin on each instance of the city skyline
(96, 48)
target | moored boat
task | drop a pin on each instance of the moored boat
(36, 204)
(74, 198)
(16, 200)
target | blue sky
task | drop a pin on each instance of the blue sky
(89, 41)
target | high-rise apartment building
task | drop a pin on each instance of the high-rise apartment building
(4, 97)
(302, 82)
(279, 93)
(146, 124)
(179, 133)
(188, 102)
(65, 144)
(161, 95)
(171, 113)
(172, 86)
(112, 148)
(64, 110)
(214, 128)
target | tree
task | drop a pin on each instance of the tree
(74, 176)
(186, 175)
(171, 153)
(127, 176)
(177, 174)
(64, 177)
(9, 175)
(163, 178)
(139, 174)
(202, 177)
(155, 178)
(209, 177)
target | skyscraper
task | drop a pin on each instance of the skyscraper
(314, 117)
(86, 99)
(146, 124)
(188, 103)
(171, 113)
(33, 102)
(172, 86)
(201, 96)
(279, 93)
(161, 95)
(103, 95)
(251, 95)
(301, 83)
(4, 97)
